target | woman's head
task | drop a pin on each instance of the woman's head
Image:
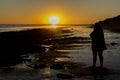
(97, 27)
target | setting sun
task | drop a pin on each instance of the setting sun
(54, 20)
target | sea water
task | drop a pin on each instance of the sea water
(79, 52)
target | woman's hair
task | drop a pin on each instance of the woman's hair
(98, 28)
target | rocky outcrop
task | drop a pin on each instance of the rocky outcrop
(112, 24)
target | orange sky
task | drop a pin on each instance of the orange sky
(69, 11)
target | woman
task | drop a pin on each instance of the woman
(98, 44)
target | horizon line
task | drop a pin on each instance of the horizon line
(46, 24)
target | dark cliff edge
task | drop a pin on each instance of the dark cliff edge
(112, 24)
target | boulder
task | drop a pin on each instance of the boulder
(57, 66)
(65, 76)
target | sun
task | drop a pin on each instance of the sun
(54, 19)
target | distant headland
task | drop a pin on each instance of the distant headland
(112, 24)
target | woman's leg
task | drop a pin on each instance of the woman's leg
(100, 53)
(94, 58)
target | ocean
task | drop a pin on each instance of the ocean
(76, 44)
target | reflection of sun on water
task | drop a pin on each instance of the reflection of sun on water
(53, 26)
(45, 73)
(60, 59)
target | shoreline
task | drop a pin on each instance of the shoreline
(63, 55)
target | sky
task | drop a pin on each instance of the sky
(69, 11)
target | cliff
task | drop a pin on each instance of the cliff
(112, 24)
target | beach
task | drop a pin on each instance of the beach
(52, 54)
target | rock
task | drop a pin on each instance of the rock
(90, 71)
(111, 24)
(7, 68)
(38, 66)
(113, 43)
(27, 60)
(13, 44)
(57, 66)
(7, 61)
(65, 76)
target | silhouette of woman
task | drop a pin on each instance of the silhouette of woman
(98, 44)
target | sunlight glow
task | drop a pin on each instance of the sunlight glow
(54, 20)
